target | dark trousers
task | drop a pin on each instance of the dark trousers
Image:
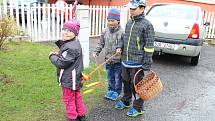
(128, 88)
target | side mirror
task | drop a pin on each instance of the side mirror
(207, 24)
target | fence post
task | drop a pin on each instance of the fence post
(29, 29)
(82, 16)
(1, 7)
(4, 7)
(103, 17)
(34, 20)
(11, 8)
(212, 26)
(49, 21)
(23, 15)
(93, 20)
(53, 22)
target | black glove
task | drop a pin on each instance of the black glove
(146, 67)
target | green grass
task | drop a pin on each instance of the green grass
(28, 86)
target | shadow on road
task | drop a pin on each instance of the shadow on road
(171, 59)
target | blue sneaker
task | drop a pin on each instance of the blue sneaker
(114, 96)
(120, 105)
(133, 112)
(109, 94)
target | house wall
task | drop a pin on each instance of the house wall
(105, 2)
(203, 1)
(100, 2)
(51, 1)
(205, 5)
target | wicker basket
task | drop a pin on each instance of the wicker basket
(149, 86)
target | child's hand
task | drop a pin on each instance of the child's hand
(94, 55)
(53, 53)
(118, 50)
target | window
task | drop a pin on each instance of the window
(176, 11)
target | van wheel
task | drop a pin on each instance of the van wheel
(195, 60)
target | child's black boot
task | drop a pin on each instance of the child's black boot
(73, 119)
(82, 118)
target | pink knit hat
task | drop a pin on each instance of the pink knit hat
(72, 25)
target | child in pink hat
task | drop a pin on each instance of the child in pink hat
(69, 64)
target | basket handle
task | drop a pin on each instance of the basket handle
(136, 76)
(138, 73)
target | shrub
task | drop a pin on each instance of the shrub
(7, 28)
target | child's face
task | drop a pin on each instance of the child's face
(136, 11)
(112, 22)
(67, 34)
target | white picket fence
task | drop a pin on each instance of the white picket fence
(44, 23)
(210, 30)
(39, 22)
(98, 17)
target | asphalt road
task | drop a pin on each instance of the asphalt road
(188, 94)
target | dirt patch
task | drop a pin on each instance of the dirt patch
(5, 80)
(210, 42)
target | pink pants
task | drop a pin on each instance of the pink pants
(73, 103)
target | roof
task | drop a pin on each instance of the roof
(203, 1)
(177, 4)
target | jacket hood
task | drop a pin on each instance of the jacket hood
(59, 43)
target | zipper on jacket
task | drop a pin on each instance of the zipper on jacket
(129, 39)
(138, 43)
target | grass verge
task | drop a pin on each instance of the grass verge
(28, 86)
